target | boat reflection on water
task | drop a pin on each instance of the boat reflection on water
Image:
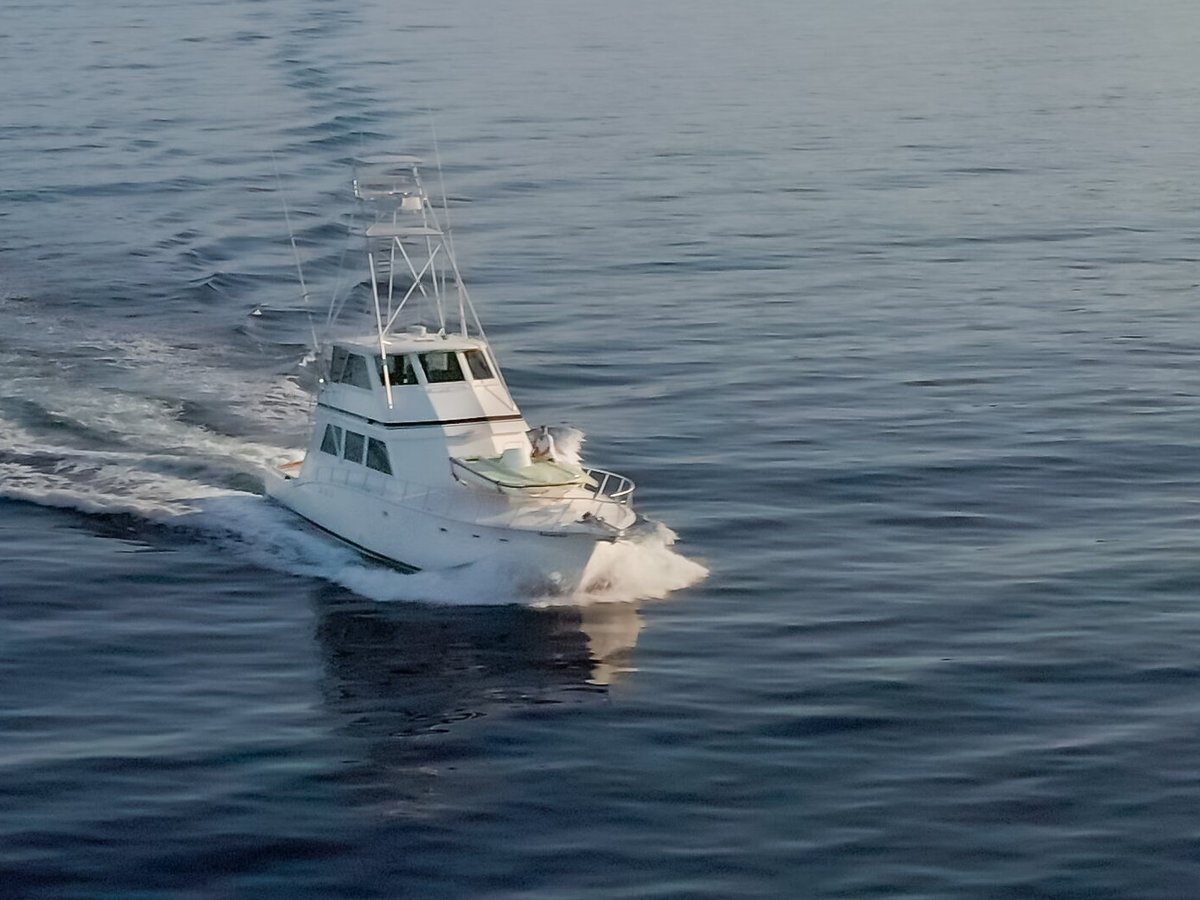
(411, 686)
(611, 630)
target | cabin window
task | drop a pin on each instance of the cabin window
(348, 368)
(337, 363)
(332, 441)
(400, 370)
(441, 366)
(478, 364)
(356, 372)
(377, 456)
(354, 446)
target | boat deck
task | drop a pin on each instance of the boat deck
(541, 474)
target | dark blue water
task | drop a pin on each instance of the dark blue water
(890, 309)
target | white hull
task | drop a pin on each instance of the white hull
(410, 537)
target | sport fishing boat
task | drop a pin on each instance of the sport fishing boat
(419, 456)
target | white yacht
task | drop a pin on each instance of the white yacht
(419, 456)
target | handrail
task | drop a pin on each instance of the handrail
(605, 485)
(622, 491)
(560, 511)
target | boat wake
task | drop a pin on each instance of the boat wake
(644, 569)
(109, 453)
(163, 508)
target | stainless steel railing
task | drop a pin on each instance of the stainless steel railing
(610, 485)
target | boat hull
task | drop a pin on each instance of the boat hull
(411, 539)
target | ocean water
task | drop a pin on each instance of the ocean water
(889, 309)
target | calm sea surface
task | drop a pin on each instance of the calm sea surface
(889, 308)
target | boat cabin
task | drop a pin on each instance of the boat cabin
(443, 388)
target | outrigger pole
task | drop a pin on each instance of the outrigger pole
(287, 218)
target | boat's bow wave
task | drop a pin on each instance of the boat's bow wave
(644, 568)
(647, 567)
(160, 507)
(169, 479)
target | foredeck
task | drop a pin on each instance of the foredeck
(541, 474)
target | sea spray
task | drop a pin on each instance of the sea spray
(78, 444)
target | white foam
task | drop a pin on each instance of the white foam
(273, 537)
(66, 441)
(255, 530)
(645, 568)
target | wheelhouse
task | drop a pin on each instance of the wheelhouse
(431, 367)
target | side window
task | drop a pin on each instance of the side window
(441, 366)
(337, 364)
(331, 442)
(400, 370)
(354, 446)
(377, 456)
(478, 364)
(348, 368)
(356, 372)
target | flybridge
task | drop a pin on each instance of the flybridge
(415, 279)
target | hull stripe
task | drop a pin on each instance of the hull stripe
(405, 568)
(431, 423)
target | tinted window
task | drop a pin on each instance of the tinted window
(337, 364)
(377, 456)
(478, 364)
(355, 372)
(332, 440)
(348, 368)
(354, 446)
(400, 370)
(441, 366)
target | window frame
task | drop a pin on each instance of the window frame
(337, 363)
(335, 432)
(487, 364)
(346, 441)
(405, 364)
(450, 355)
(376, 446)
(349, 367)
(358, 370)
